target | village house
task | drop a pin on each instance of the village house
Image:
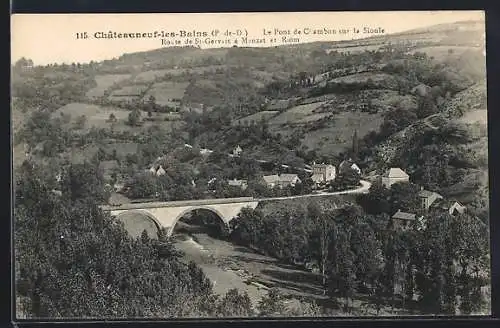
(428, 198)
(323, 173)
(348, 164)
(281, 181)
(237, 151)
(157, 170)
(242, 184)
(394, 175)
(403, 220)
(453, 207)
(205, 152)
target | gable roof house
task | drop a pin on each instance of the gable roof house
(427, 198)
(453, 207)
(237, 151)
(271, 181)
(238, 183)
(403, 219)
(286, 180)
(348, 164)
(283, 180)
(323, 173)
(394, 175)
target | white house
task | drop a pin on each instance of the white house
(348, 164)
(283, 180)
(323, 173)
(237, 151)
(161, 171)
(394, 175)
(238, 183)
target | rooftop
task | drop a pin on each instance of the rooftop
(427, 194)
(404, 216)
(396, 172)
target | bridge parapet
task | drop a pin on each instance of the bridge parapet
(179, 203)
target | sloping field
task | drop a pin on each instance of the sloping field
(295, 114)
(338, 134)
(166, 92)
(257, 117)
(443, 53)
(477, 115)
(363, 77)
(356, 48)
(150, 76)
(96, 115)
(131, 92)
(104, 82)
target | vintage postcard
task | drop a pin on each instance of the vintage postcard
(250, 165)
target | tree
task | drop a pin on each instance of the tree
(272, 304)
(80, 122)
(349, 178)
(112, 118)
(134, 117)
(426, 106)
(83, 182)
(234, 304)
(404, 197)
(355, 146)
(377, 199)
(324, 227)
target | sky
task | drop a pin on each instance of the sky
(51, 38)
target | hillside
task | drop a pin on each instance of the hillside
(310, 97)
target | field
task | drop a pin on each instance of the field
(338, 134)
(443, 53)
(165, 92)
(356, 49)
(363, 77)
(478, 115)
(257, 117)
(150, 76)
(96, 115)
(295, 114)
(104, 82)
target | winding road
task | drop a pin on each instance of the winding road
(365, 186)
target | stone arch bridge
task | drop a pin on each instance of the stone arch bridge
(157, 215)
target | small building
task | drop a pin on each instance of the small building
(394, 175)
(271, 181)
(237, 151)
(323, 173)
(403, 220)
(281, 181)
(453, 207)
(205, 152)
(242, 184)
(348, 164)
(161, 171)
(288, 180)
(427, 198)
(157, 170)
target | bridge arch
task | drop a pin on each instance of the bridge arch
(148, 221)
(194, 208)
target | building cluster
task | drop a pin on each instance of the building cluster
(429, 201)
